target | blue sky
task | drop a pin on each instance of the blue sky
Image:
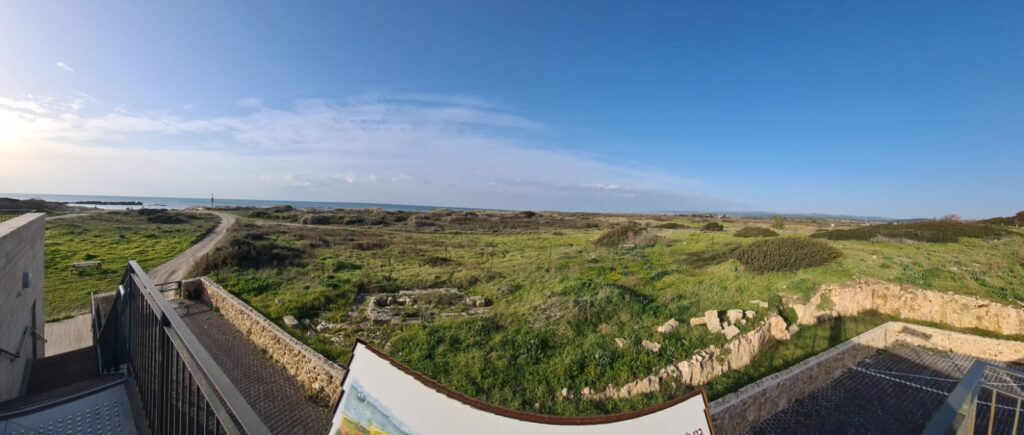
(902, 109)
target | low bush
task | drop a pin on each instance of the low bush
(618, 235)
(671, 226)
(712, 226)
(321, 219)
(160, 216)
(927, 231)
(755, 232)
(252, 254)
(786, 254)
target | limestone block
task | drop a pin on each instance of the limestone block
(730, 332)
(651, 346)
(668, 326)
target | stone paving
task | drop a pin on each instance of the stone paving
(68, 334)
(276, 397)
(894, 391)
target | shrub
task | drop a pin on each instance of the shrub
(619, 235)
(926, 231)
(160, 216)
(672, 226)
(786, 254)
(755, 232)
(252, 254)
(778, 222)
(320, 219)
(712, 226)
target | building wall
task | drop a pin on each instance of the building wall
(21, 253)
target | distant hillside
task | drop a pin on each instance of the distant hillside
(8, 204)
(1014, 221)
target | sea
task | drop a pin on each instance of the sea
(183, 203)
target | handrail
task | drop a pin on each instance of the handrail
(220, 381)
(144, 334)
(958, 413)
(21, 343)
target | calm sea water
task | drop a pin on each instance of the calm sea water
(181, 203)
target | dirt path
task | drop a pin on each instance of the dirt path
(176, 269)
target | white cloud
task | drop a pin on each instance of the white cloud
(425, 149)
(65, 67)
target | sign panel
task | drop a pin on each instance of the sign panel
(382, 396)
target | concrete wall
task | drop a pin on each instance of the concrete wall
(739, 411)
(319, 375)
(21, 252)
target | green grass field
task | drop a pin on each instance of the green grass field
(113, 238)
(559, 300)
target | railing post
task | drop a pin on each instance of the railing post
(161, 399)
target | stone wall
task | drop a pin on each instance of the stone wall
(703, 366)
(21, 288)
(739, 411)
(317, 374)
(907, 302)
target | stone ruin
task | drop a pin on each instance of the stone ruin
(412, 306)
(729, 327)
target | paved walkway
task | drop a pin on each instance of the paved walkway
(68, 334)
(277, 398)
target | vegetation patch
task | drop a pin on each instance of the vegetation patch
(672, 226)
(925, 231)
(432, 221)
(712, 227)
(755, 232)
(627, 235)
(786, 254)
(161, 216)
(1016, 220)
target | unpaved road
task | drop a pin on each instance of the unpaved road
(176, 269)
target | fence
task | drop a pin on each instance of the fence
(987, 401)
(182, 389)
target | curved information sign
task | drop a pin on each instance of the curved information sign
(382, 396)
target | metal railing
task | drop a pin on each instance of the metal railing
(988, 400)
(182, 388)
